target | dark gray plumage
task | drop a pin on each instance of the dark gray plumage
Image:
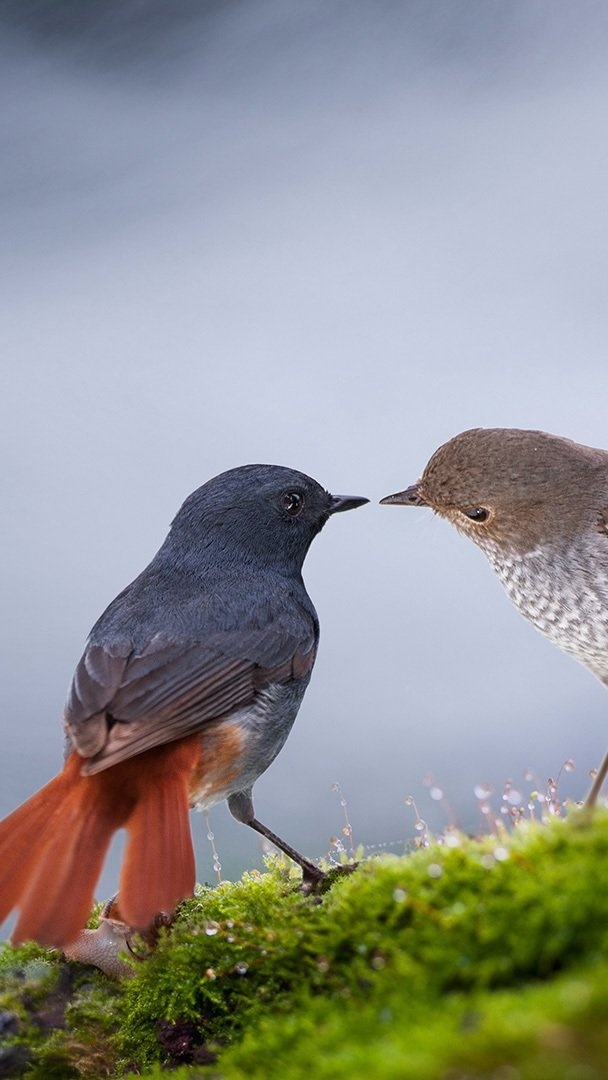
(188, 687)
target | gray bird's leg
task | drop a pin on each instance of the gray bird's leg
(241, 807)
(597, 784)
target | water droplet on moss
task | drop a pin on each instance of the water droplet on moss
(452, 839)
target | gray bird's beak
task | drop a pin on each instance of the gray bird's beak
(345, 502)
(410, 497)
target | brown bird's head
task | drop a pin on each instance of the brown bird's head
(513, 490)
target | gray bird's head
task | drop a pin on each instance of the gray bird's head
(267, 515)
(513, 490)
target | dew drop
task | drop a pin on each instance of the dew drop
(569, 765)
(513, 797)
(211, 929)
(482, 791)
(241, 968)
(436, 793)
(452, 840)
(420, 825)
(500, 854)
(399, 896)
(409, 801)
(434, 870)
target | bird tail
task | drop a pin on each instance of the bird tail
(158, 867)
(52, 847)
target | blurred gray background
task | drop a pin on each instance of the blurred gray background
(326, 235)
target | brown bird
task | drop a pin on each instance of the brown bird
(537, 506)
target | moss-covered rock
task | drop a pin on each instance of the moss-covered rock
(465, 959)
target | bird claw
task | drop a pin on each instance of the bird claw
(318, 881)
(104, 947)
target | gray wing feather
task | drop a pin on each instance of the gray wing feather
(122, 703)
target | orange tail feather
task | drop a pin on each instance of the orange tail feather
(52, 848)
(158, 868)
(21, 833)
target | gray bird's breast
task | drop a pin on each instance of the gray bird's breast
(564, 596)
(239, 748)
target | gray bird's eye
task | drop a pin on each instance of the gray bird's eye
(478, 514)
(292, 502)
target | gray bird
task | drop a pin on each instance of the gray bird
(537, 506)
(186, 692)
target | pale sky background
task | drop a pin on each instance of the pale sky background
(328, 235)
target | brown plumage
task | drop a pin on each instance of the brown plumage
(537, 506)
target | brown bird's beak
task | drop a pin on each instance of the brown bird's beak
(410, 497)
(346, 502)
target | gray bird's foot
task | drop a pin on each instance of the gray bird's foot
(314, 880)
(103, 947)
(318, 881)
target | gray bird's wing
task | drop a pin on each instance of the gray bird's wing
(121, 703)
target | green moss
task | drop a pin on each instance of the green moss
(57, 1016)
(467, 959)
(389, 948)
(537, 1032)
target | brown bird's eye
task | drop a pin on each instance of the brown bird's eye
(292, 502)
(479, 514)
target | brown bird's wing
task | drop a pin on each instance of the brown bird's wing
(122, 703)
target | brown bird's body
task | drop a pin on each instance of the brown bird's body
(537, 506)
